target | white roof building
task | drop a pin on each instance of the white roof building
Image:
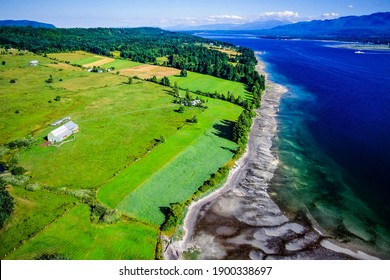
(33, 62)
(60, 121)
(63, 132)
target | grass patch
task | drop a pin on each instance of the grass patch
(188, 148)
(162, 60)
(120, 64)
(205, 83)
(87, 60)
(146, 71)
(74, 237)
(33, 212)
(178, 179)
(72, 57)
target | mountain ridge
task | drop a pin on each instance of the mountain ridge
(31, 23)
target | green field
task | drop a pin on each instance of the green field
(178, 179)
(179, 166)
(117, 153)
(206, 83)
(87, 60)
(33, 212)
(74, 237)
(120, 64)
(72, 57)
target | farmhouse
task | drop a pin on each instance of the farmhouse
(33, 63)
(61, 133)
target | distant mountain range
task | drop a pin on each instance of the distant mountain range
(374, 28)
(25, 23)
(368, 27)
(256, 25)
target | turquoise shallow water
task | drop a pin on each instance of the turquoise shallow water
(333, 139)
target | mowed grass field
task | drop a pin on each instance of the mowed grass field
(205, 83)
(74, 237)
(174, 170)
(117, 152)
(33, 212)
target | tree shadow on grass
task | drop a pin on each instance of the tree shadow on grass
(224, 129)
(166, 211)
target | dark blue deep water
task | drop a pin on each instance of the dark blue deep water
(333, 138)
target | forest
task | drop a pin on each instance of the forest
(143, 45)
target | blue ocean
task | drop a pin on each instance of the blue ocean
(333, 139)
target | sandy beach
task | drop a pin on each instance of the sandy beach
(240, 220)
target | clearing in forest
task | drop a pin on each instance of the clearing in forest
(146, 71)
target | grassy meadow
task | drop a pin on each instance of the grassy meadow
(74, 237)
(118, 152)
(206, 83)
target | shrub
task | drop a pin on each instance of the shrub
(181, 109)
(15, 180)
(18, 170)
(55, 256)
(21, 143)
(6, 204)
(33, 187)
(12, 81)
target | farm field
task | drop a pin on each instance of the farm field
(74, 237)
(205, 83)
(33, 212)
(120, 64)
(146, 71)
(74, 57)
(117, 154)
(179, 166)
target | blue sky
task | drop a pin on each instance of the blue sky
(166, 13)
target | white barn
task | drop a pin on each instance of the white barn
(63, 132)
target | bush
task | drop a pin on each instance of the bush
(21, 143)
(55, 256)
(102, 214)
(18, 170)
(7, 204)
(33, 187)
(58, 98)
(3, 62)
(15, 180)
(12, 81)
(181, 109)
(194, 119)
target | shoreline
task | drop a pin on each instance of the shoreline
(229, 214)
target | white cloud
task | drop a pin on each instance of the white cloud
(350, 6)
(226, 17)
(330, 15)
(284, 14)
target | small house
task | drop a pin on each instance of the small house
(33, 63)
(61, 133)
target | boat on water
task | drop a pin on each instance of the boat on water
(359, 52)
